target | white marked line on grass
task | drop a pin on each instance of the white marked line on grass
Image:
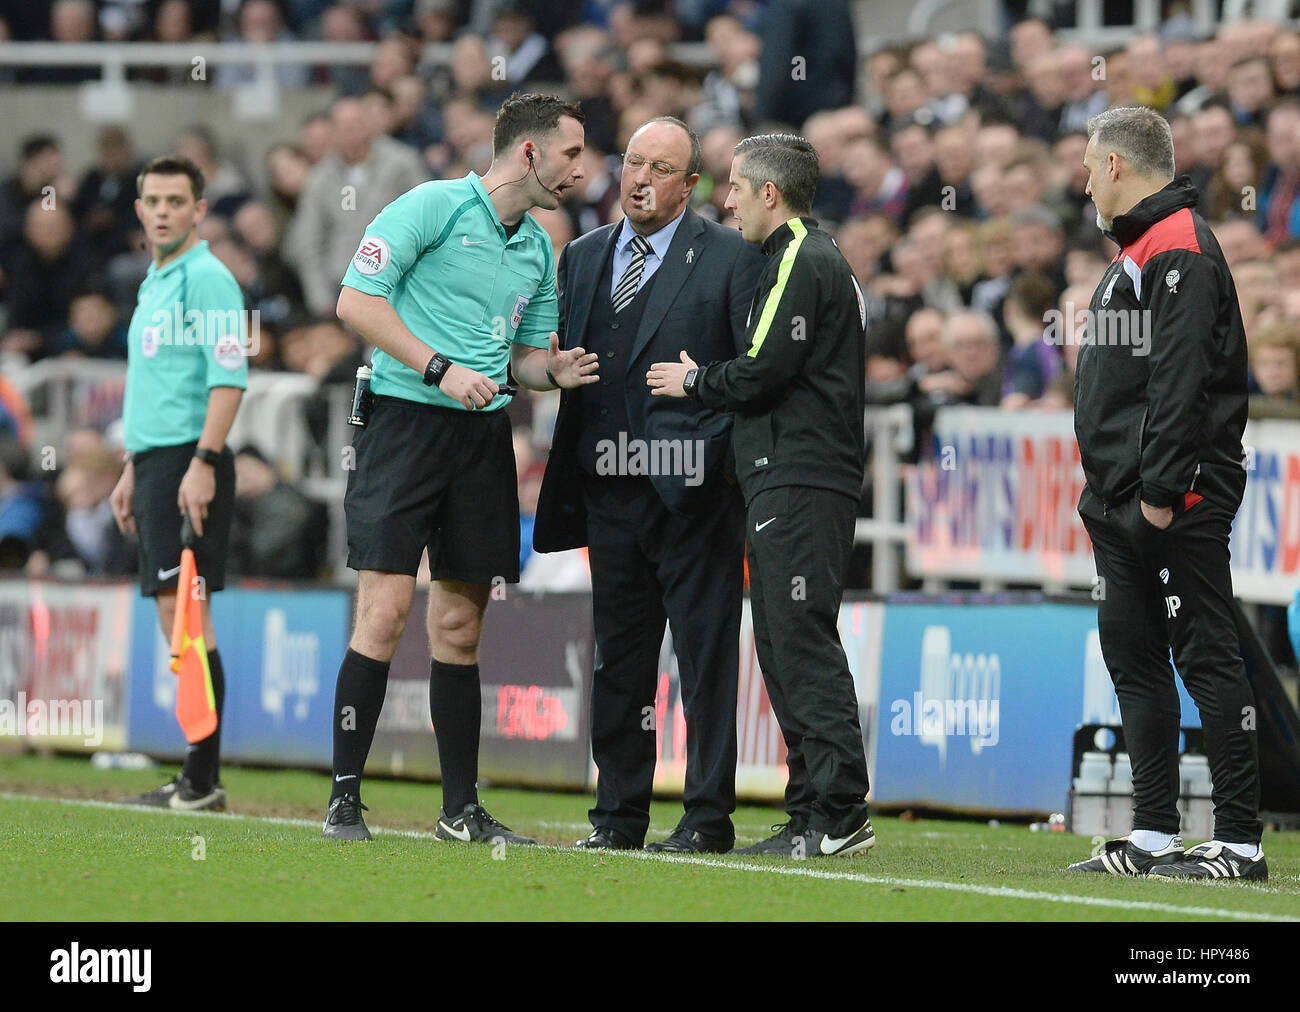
(1003, 892)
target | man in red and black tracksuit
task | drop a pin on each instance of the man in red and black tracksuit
(1160, 407)
(797, 395)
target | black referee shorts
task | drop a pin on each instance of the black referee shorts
(434, 477)
(158, 474)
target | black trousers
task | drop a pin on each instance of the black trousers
(649, 566)
(800, 540)
(1172, 588)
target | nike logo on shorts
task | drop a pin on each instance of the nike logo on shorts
(167, 574)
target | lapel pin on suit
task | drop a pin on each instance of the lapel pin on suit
(690, 254)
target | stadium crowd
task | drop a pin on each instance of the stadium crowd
(951, 176)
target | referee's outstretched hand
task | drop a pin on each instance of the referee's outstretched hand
(472, 389)
(198, 489)
(573, 368)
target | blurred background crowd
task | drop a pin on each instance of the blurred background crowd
(951, 175)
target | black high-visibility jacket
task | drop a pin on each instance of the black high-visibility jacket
(797, 392)
(1160, 389)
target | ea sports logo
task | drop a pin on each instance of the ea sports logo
(372, 256)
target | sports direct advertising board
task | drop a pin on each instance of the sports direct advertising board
(998, 502)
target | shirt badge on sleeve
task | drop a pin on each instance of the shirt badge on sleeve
(372, 256)
(521, 303)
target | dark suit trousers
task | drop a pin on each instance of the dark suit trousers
(649, 565)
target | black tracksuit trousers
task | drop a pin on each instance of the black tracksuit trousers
(799, 541)
(1173, 588)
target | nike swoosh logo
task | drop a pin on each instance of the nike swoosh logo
(459, 834)
(465, 241)
(167, 574)
(830, 845)
(759, 527)
(350, 776)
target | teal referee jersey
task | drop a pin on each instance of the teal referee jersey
(188, 334)
(442, 259)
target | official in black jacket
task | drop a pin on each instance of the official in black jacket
(797, 395)
(1160, 407)
(647, 484)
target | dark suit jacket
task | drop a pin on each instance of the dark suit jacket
(701, 307)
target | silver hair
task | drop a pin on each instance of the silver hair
(1140, 135)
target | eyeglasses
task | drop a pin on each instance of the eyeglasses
(662, 170)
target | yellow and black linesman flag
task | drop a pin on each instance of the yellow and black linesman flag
(196, 705)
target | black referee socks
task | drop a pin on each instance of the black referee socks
(203, 759)
(358, 698)
(456, 706)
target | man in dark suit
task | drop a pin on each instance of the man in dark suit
(646, 483)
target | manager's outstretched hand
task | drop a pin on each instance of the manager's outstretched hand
(665, 378)
(573, 368)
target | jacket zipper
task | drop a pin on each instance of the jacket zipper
(1192, 486)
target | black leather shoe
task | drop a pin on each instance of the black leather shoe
(604, 838)
(690, 841)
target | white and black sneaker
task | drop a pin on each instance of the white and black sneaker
(823, 845)
(475, 825)
(1214, 861)
(182, 796)
(787, 838)
(1122, 857)
(343, 821)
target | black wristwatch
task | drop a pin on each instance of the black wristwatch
(436, 370)
(210, 457)
(552, 380)
(690, 382)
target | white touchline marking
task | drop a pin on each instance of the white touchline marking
(1005, 892)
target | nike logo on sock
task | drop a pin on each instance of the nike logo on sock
(350, 776)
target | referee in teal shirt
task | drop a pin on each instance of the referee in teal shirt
(453, 283)
(186, 372)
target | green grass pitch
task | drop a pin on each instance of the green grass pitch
(65, 855)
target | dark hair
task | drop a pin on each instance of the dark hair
(529, 116)
(787, 161)
(697, 153)
(37, 144)
(1034, 294)
(172, 165)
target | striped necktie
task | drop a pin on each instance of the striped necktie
(631, 279)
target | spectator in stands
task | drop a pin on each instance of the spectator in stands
(1258, 293)
(44, 271)
(88, 536)
(879, 184)
(1250, 91)
(809, 60)
(343, 23)
(343, 193)
(23, 506)
(972, 342)
(40, 175)
(436, 20)
(1038, 243)
(1235, 190)
(72, 22)
(1284, 53)
(316, 137)
(276, 531)
(1240, 241)
(286, 170)
(1154, 85)
(1214, 131)
(1083, 99)
(1275, 370)
(226, 188)
(260, 23)
(729, 90)
(526, 55)
(105, 200)
(473, 77)
(1278, 213)
(1032, 362)
(95, 330)
(276, 292)
(1037, 107)
(961, 258)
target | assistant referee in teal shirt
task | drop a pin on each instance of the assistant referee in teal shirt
(187, 367)
(452, 283)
